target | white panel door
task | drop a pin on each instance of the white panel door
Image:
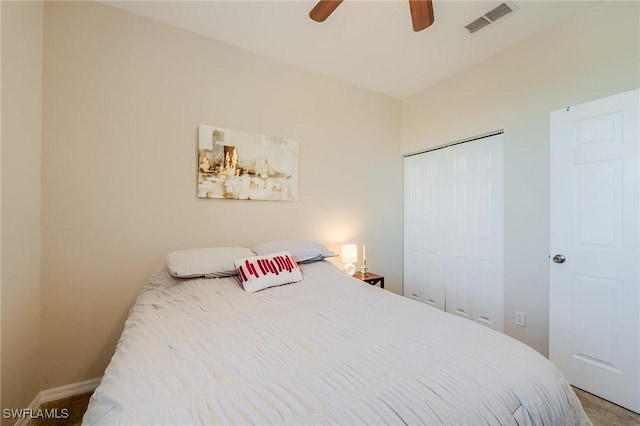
(457, 230)
(454, 229)
(487, 223)
(424, 264)
(594, 324)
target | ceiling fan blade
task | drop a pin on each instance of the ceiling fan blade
(323, 9)
(421, 14)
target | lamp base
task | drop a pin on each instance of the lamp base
(350, 268)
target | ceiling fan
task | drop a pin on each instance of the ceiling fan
(421, 12)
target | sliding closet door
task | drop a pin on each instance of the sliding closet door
(454, 208)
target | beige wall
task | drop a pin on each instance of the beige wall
(21, 190)
(1, 406)
(592, 55)
(123, 96)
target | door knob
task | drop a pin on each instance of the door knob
(559, 258)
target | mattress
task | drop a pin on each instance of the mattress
(329, 349)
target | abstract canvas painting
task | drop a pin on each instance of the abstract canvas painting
(246, 166)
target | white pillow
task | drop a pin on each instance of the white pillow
(260, 272)
(205, 262)
(302, 251)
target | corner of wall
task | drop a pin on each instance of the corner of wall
(0, 206)
(20, 204)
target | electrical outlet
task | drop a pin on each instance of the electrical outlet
(520, 318)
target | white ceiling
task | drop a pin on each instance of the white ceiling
(367, 43)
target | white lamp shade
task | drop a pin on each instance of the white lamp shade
(349, 257)
(349, 253)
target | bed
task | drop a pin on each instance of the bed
(327, 349)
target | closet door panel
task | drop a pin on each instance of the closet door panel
(424, 270)
(488, 233)
(456, 234)
(454, 229)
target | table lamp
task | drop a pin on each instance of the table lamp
(349, 257)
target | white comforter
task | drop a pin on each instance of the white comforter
(327, 350)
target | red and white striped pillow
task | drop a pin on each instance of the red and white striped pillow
(260, 272)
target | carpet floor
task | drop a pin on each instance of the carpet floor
(601, 412)
(604, 413)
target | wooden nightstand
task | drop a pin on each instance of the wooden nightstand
(370, 278)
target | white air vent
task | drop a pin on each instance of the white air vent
(491, 16)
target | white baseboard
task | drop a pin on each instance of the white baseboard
(35, 404)
(59, 393)
(69, 390)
